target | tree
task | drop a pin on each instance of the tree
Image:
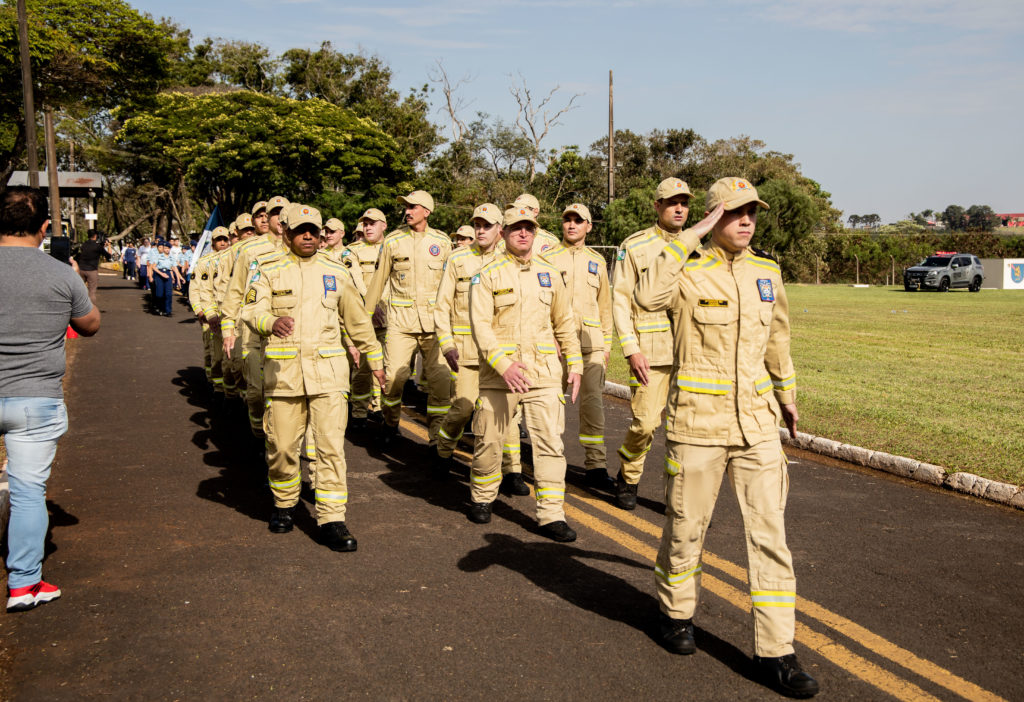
(233, 149)
(87, 54)
(535, 119)
(790, 218)
(981, 218)
(854, 220)
(955, 217)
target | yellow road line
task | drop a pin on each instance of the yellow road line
(837, 622)
(835, 652)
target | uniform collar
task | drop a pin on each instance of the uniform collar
(573, 247)
(718, 252)
(665, 235)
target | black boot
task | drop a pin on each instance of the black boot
(625, 494)
(513, 484)
(785, 675)
(479, 513)
(281, 520)
(676, 635)
(598, 478)
(559, 531)
(336, 536)
(387, 435)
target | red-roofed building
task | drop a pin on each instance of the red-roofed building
(1012, 219)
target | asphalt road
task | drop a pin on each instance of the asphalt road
(175, 589)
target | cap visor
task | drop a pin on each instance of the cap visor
(743, 200)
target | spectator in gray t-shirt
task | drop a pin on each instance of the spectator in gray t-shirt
(41, 297)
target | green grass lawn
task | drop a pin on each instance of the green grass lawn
(935, 376)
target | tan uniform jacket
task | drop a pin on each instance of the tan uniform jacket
(208, 281)
(518, 310)
(243, 257)
(451, 315)
(318, 294)
(543, 242)
(586, 280)
(731, 342)
(199, 270)
(411, 264)
(639, 330)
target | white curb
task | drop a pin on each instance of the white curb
(967, 483)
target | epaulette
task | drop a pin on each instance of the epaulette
(399, 233)
(496, 263)
(437, 233)
(763, 254)
(329, 262)
(463, 253)
(595, 255)
(270, 256)
(545, 264)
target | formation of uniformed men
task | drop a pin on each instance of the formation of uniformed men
(506, 322)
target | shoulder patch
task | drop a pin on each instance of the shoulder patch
(592, 267)
(621, 255)
(250, 296)
(475, 279)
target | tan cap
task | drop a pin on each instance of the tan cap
(579, 209)
(375, 215)
(488, 212)
(464, 232)
(232, 228)
(734, 192)
(261, 205)
(518, 214)
(418, 197)
(275, 202)
(334, 224)
(299, 214)
(243, 221)
(526, 200)
(220, 233)
(359, 228)
(670, 187)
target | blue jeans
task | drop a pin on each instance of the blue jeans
(30, 427)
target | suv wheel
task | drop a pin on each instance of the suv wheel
(944, 285)
(975, 285)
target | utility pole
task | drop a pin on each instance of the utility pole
(51, 170)
(26, 88)
(72, 209)
(611, 139)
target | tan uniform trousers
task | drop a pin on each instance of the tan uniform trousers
(234, 382)
(216, 359)
(761, 480)
(207, 354)
(401, 346)
(591, 404)
(544, 409)
(467, 392)
(252, 369)
(365, 395)
(647, 404)
(285, 423)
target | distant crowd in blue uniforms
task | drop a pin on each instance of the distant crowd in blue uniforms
(160, 268)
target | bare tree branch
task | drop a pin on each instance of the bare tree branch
(453, 104)
(535, 120)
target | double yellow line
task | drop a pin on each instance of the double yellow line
(824, 644)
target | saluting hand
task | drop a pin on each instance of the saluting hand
(514, 378)
(283, 327)
(704, 226)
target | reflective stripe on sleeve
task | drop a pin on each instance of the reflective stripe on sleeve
(707, 386)
(785, 383)
(763, 385)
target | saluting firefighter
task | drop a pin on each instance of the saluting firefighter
(734, 383)
(411, 262)
(586, 281)
(451, 320)
(520, 316)
(361, 259)
(298, 302)
(244, 255)
(645, 337)
(200, 297)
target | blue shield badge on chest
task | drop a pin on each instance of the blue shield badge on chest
(764, 287)
(545, 279)
(330, 284)
(592, 266)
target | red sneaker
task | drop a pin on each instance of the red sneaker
(30, 596)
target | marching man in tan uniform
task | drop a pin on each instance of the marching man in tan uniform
(360, 257)
(543, 240)
(243, 265)
(645, 337)
(200, 297)
(585, 275)
(451, 321)
(298, 302)
(734, 383)
(520, 316)
(411, 262)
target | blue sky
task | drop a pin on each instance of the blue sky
(893, 106)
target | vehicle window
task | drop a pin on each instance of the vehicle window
(936, 262)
